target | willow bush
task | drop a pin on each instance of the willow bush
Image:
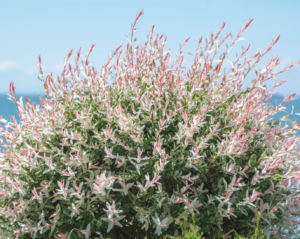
(162, 143)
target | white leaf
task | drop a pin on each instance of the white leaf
(240, 39)
(217, 61)
(128, 39)
(228, 50)
(210, 51)
(110, 226)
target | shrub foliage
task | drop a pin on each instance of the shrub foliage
(134, 159)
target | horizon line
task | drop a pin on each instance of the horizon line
(43, 94)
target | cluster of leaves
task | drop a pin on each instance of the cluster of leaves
(136, 158)
(192, 233)
(259, 234)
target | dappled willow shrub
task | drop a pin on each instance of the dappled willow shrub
(137, 158)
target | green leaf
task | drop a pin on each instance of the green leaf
(252, 159)
(30, 178)
(265, 153)
(73, 236)
(225, 183)
(277, 177)
(212, 146)
(224, 107)
(131, 167)
(220, 183)
(131, 197)
(277, 122)
(244, 211)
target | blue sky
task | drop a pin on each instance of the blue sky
(53, 28)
